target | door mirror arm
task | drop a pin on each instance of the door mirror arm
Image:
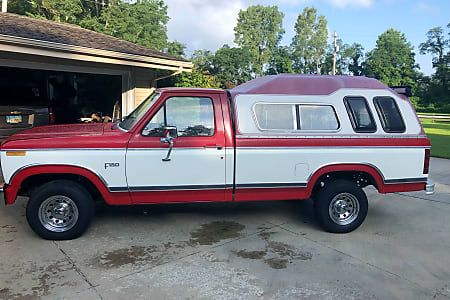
(170, 133)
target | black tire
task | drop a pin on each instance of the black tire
(71, 204)
(348, 200)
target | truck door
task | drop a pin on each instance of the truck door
(193, 167)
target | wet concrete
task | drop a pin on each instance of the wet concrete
(268, 250)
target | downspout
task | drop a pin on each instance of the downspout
(153, 83)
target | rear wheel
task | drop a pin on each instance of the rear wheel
(340, 206)
(60, 210)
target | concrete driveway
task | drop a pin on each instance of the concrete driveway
(269, 250)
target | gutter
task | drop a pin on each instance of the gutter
(172, 64)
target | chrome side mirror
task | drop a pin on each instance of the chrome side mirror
(170, 133)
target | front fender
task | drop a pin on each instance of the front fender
(11, 190)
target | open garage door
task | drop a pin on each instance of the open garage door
(32, 98)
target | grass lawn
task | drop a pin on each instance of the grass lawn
(433, 114)
(439, 134)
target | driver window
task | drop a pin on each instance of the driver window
(192, 116)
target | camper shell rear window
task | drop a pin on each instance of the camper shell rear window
(389, 114)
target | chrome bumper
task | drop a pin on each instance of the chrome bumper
(429, 188)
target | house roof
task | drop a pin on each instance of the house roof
(300, 84)
(27, 28)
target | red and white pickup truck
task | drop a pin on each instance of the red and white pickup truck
(273, 138)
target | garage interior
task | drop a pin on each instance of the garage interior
(73, 97)
(71, 73)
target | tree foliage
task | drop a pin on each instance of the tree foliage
(392, 60)
(281, 61)
(438, 45)
(175, 48)
(197, 78)
(231, 66)
(309, 42)
(259, 30)
(142, 22)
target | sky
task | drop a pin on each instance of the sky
(208, 24)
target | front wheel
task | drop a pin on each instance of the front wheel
(340, 206)
(60, 210)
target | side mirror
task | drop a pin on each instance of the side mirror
(170, 132)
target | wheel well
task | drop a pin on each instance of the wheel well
(32, 182)
(362, 179)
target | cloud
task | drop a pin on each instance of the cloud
(421, 7)
(202, 24)
(351, 3)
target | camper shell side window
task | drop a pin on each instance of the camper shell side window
(360, 115)
(295, 117)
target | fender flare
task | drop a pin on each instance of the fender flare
(371, 170)
(11, 190)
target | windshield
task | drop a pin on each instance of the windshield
(139, 111)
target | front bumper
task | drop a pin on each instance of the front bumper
(429, 188)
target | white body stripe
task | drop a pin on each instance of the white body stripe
(93, 160)
(296, 165)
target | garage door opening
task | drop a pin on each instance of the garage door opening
(32, 98)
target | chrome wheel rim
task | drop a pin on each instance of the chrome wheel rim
(344, 208)
(58, 213)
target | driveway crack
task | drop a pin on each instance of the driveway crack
(78, 270)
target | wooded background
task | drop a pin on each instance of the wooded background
(258, 33)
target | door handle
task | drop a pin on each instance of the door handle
(218, 147)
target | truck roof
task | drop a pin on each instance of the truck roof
(189, 89)
(301, 84)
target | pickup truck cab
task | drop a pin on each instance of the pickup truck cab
(277, 137)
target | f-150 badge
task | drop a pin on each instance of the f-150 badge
(111, 165)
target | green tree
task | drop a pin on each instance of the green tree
(392, 60)
(175, 48)
(196, 79)
(309, 42)
(259, 30)
(202, 60)
(231, 66)
(356, 56)
(438, 46)
(281, 61)
(142, 21)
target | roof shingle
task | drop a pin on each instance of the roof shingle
(69, 34)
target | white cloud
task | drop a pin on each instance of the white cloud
(421, 7)
(209, 24)
(351, 3)
(203, 24)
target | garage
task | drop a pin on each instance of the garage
(58, 73)
(53, 97)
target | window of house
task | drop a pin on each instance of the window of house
(192, 116)
(360, 115)
(389, 114)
